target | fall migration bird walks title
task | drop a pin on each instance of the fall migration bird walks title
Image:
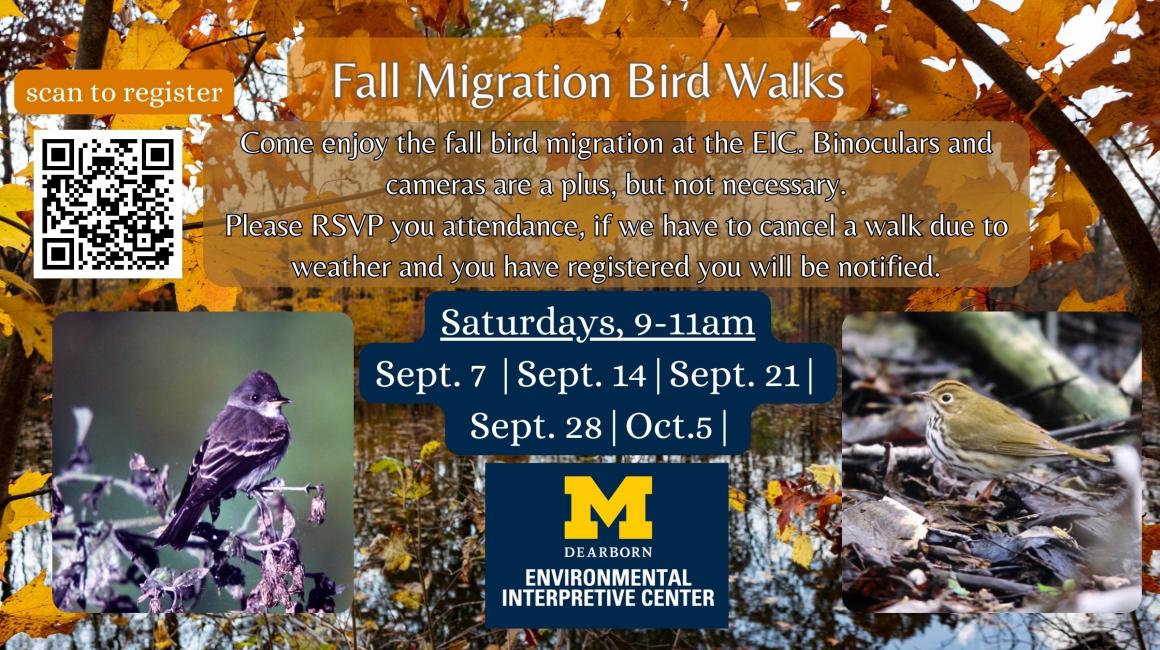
(483, 88)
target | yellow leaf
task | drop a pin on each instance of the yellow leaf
(25, 511)
(1075, 302)
(10, 278)
(824, 475)
(163, 9)
(772, 491)
(786, 534)
(8, 9)
(410, 596)
(430, 449)
(32, 612)
(279, 17)
(394, 555)
(112, 51)
(194, 289)
(150, 47)
(803, 551)
(32, 320)
(161, 638)
(737, 499)
(21, 512)
(13, 199)
(1071, 204)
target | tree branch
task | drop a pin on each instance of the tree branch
(24, 495)
(1139, 251)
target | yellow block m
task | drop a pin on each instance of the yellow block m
(628, 498)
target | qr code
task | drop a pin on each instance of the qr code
(107, 204)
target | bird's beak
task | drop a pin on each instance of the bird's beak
(282, 400)
(921, 395)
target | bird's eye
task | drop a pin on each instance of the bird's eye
(254, 398)
(947, 398)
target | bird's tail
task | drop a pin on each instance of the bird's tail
(1079, 453)
(176, 534)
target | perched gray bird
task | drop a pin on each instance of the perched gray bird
(244, 444)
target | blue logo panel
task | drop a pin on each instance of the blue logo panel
(608, 545)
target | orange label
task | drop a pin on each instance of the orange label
(126, 92)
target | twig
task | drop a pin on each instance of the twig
(129, 488)
(249, 62)
(226, 40)
(986, 582)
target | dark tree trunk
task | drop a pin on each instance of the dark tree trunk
(17, 368)
(1138, 249)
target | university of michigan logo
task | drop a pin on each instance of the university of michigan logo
(629, 498)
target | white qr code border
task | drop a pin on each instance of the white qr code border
(60, 247)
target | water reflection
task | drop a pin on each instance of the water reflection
(774, 603)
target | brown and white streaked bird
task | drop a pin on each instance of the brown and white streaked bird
(246, 442)
(980, 438)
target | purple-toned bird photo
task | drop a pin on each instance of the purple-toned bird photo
(178, 483)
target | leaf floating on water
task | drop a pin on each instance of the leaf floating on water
(803, 551)
(737, 499)
(825, 475)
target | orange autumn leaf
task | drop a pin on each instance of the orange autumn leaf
(32, 611)
(1074, 301)
(939, 298)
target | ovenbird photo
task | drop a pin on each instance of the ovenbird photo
(991, 462)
